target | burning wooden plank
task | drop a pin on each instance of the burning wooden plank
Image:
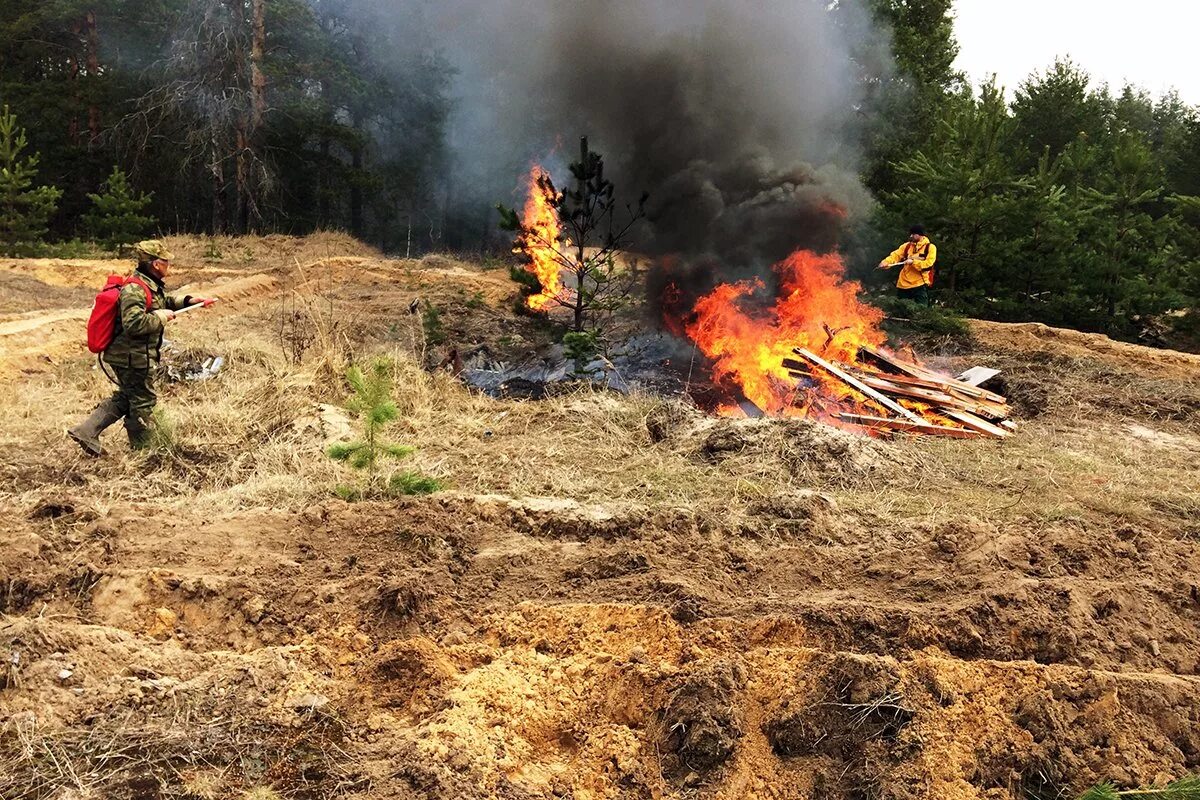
(907, 426)
(795, 366)
(947, 386)
(897, 365)
(918, 375)
(979, 413)
(751, 410)
(936, 398)
(916, 388)
(855, 383)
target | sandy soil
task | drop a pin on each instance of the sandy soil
(617, 598)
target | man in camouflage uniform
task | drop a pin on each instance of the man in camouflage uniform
(134, 351)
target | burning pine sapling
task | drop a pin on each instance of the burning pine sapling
(372, 402)
(576, 232)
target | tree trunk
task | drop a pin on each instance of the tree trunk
(1037, 229)
(241, 180)
(580, 262)
(73, 73)
(258, 79)
(248, 215)
(356, 192)
(217, 173)
(93, 71)
(323, 181)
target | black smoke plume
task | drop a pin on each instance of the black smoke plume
(736, 117)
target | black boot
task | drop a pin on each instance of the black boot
(87, 433)
(139, 430)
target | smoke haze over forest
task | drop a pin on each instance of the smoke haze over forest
(737, 123)
(756, 128)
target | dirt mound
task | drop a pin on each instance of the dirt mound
(616, 651)
(555, 518)
(272, 250)
(701, 722)
(803, 448)
(35, 278)
(20, 293)
(1029, 337)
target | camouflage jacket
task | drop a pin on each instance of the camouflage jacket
(138, 340)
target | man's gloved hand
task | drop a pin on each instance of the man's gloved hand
(164, 315)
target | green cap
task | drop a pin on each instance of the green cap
(152, 250)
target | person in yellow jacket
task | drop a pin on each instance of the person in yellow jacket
(915, 258)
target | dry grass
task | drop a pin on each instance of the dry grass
(250, 438)
(241, 443)
(276, 250)
(168, 755)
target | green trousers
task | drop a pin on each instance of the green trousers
(135, 399)
(918, 294)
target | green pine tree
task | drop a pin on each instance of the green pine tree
(372, 402)
(1184, 789)
(588, 216)
(117, 219)
(24, 209)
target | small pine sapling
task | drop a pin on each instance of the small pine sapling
(431, 325)
(117, 219)
(25, 209)
(372, 403)
(1184, 789)
(580, 348)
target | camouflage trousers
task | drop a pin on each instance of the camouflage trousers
(135, 400)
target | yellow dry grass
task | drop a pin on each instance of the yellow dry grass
(252, 436)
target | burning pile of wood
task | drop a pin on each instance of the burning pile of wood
(919, 400)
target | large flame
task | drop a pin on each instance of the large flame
(541, 239)
(817, 309)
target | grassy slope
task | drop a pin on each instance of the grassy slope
(1094, 498)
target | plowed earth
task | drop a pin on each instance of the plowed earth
(772, 611)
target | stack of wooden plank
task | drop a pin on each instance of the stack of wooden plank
(912, 398)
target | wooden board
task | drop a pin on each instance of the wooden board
(794, 366)
(978, 375)
(983, 419)
(935, 398)
(943, 382)
(855, 383)
(751, 410)
(903, 367)
(975, 423)
(944, 385)
(907, 426)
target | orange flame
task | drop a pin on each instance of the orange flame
(817, 309)
(540, 240)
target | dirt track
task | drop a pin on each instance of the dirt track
(919, 628)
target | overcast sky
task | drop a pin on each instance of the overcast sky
(1150, 43)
